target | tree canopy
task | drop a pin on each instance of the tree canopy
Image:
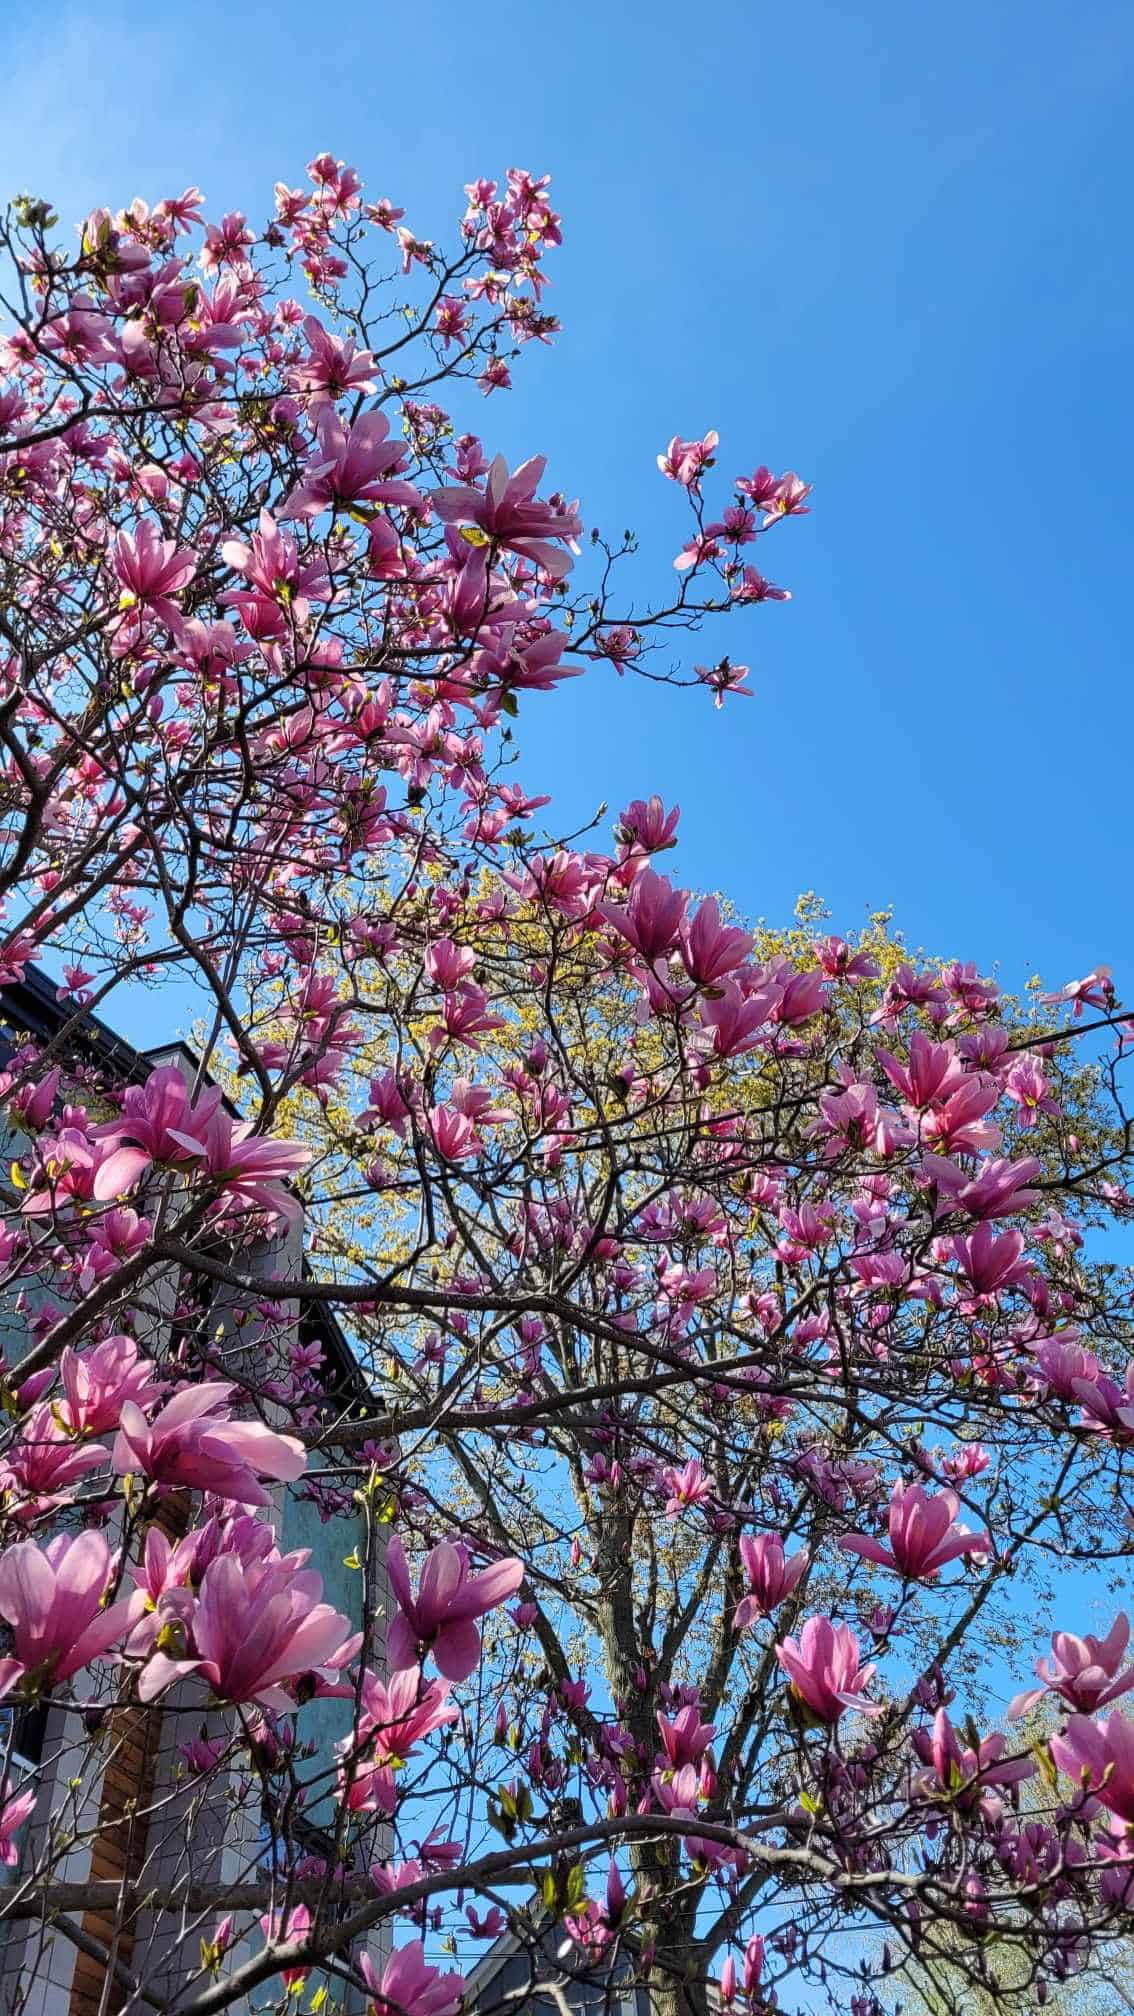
(738, 1356)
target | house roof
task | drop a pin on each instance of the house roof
(492, 1963)
(32, 1006)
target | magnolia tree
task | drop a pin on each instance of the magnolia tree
(734, 1358)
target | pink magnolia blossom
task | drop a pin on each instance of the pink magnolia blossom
(494, 1922)
(191, 1444)
(998, 1190)
(465, 1018)
(753, 1964)
(652, 917)
(451, 316)
(151, 570)
(923, 1534)
(957, 1125)
(685, 1739)
(46, 1463)
(698, 551)
(589, 1928)
(1107, 1406)
(292, 1927)
(167, 1567)
(1085, 1672)
(448, 964)
(752, 586)
(725, 678)
(476, 1103)
(495, 377)
(932, 1073)
(72, 1169)
(853, 1119)
(16, 954)
(396, 1715)
(511, 514)
(52, 1598)
(414, 250)
(226, 243)
(280, 581)
(15, 1808)
(823, 1667)
(442, 1616)
(34, 1104)
(117, 1235)
(687, 1486)
(991, 1262)
(966, 1460)
(409, 1986)
(453, 1134)
(735, 1022)
(676, 1791)
(787, 500)
(154, 1119)
(97, 1382)
(1061, 1362)
(1099, 1757)
(974, 996)
(523, 658)
(384, 213)
(76, 985)
(963, 1774)
(247, 1166)
(351, 466)
(1095, 990)
(253, 1630)
(771, 1576)
(620, 645)
(387, 1107)
(645, 827)
(761, 487)
(841, 962)
(685, 461)
(1027, 1086)
(332, 365)
(709, 949)
(799, 997)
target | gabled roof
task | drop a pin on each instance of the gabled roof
(32, 1004)
(557, 1945)
(32, 1007)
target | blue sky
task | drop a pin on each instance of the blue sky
(886, 245)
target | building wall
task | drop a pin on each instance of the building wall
(37, 1963)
